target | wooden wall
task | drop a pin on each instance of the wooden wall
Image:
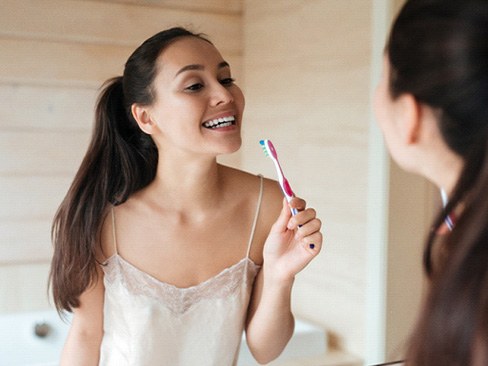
(307, 70)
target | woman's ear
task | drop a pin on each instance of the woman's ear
(410, 118)
(143, 118)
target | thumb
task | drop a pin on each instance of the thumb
(281, 222)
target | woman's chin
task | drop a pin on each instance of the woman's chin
(232, 148)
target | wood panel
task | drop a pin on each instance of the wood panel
(42, 108)
(27, 198)
(112, 23)
(214, 6)
(54, 63)
(307, 68)
(44, 133)
(24, 287)
(25, 241)
(41, 153)
(85, 65)
(65, 64)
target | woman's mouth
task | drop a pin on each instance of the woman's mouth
(220, 122)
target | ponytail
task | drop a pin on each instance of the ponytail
(120, 160)
(453, 328)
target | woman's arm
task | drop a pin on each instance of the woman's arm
(270, 320)
(292, 243)
(82, 345)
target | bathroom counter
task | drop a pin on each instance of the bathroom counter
(331, 358)
(308, 347)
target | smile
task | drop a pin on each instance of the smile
(220, 122)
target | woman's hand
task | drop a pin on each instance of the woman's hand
(293, 241)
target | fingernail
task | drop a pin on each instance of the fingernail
(312, 246)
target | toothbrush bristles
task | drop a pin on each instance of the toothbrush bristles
(264, 147)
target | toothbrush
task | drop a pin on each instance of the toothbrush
(270, 151)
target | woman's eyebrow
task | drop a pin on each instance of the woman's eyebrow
(223, 64)
(200, 67)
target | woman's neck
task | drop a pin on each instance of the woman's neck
(445, 172)
(193, 185)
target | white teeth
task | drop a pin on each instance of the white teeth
(220, 122)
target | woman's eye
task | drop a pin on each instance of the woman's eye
(227, 81)
(194, 87)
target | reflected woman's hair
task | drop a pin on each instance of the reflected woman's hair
(400, 362)
(121, 159)
(438, 52)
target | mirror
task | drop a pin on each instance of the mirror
(307, 70)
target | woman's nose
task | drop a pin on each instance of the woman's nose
(221, 95)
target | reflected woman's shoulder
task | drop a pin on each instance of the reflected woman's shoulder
(272, 188)
(272, 196)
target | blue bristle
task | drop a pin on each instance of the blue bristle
(263, 146)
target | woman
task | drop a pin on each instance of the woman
(432, 106)
(157, 246)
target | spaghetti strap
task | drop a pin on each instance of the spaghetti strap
(113, 230)
(256, 215)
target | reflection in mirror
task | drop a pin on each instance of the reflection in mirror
(305, 69)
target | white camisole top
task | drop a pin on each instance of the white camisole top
(149, 322)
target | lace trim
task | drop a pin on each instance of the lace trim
(179, 300)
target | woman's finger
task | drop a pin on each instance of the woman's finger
(301, 218)
(313, 243)
(297, 203)
(281, 223)
(309, 228)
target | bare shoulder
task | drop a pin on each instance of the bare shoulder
(272, 195)
(237, 175)
(272, 198)
(107, 238)
(271, 204)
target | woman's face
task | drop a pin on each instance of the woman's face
(386, 112)
(197, 108)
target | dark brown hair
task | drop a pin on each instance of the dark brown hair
(121, 159)
(438, 52)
